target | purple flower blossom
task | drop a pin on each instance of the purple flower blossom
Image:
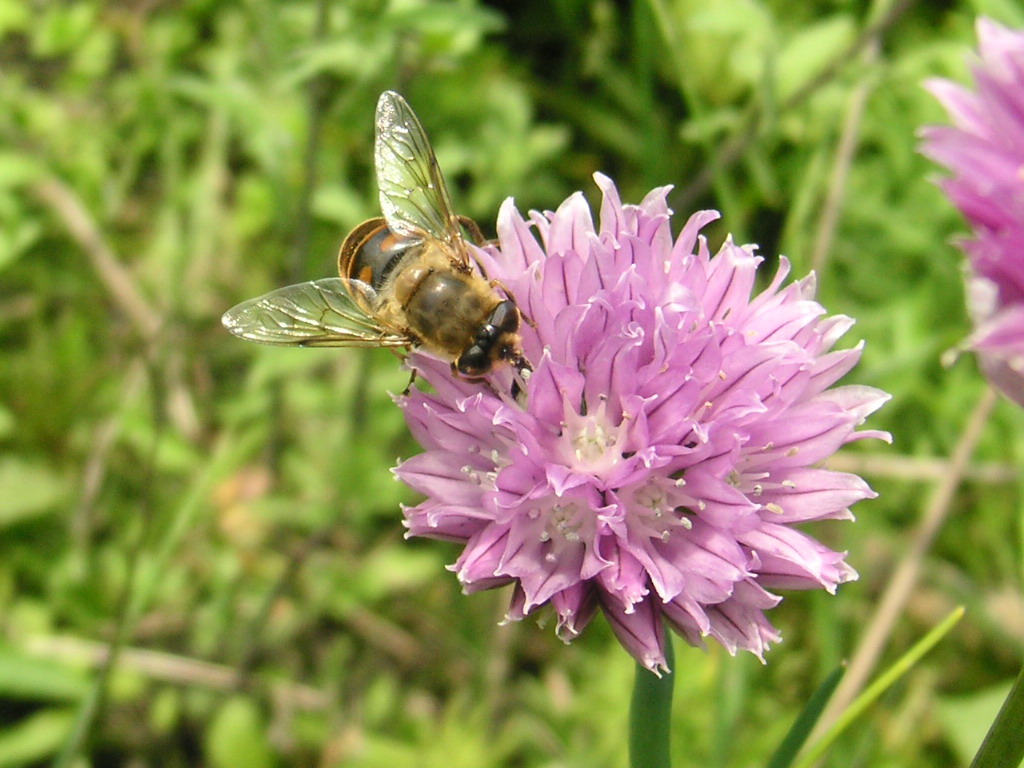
(670, 443)
(985, 151)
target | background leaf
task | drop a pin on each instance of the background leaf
(28, 489)
(966, 719)
(237, 737)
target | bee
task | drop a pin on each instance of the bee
(407, 279)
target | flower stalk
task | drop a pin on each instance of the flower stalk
(650, 716)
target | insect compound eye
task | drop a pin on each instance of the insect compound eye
(473, 362)
(505, 316)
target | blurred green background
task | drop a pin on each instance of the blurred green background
(223, 515)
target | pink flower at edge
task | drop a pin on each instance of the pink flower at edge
(984, 150)
(671, 441)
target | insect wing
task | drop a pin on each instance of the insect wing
(413, 195)
(323, 313)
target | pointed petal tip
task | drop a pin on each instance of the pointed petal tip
(655, 664)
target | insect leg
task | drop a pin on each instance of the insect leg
(474, 230)
(413, 373)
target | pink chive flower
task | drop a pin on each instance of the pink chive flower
(984, 149)
(670, 441)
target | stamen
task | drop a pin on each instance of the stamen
(564, 522)
(593, 443)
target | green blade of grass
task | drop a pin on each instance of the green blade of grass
(794, 740)
(1004, 742)
(877, 688)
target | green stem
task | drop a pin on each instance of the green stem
(880, 686)
(650, 715)
(1004, 742)
(801, 729)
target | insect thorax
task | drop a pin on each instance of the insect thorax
(443, 307)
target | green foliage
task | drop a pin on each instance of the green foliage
(34, 737)
(800, 731)
(228, 511)
(237, 737)
(1004, 741)
(967, 718)
(28, 678)
(28, 489)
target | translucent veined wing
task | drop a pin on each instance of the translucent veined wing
(413, 196)
(322, 313)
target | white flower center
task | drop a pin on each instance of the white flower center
(592, 443)
(658, 512)
(562, 522)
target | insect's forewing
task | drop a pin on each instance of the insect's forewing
(322, 313)
(413, 196)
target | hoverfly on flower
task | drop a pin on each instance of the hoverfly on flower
(407, 279)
